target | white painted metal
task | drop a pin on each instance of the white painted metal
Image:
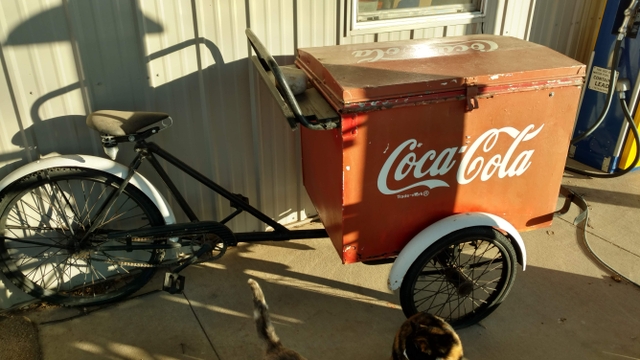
(516, 18)
(437, 230)
(100, 164)
(569, 26)
(316, 23)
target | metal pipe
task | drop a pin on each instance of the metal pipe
(282, 236)
(633, 103)
(172, 188)
(154, 148)
(290, 99)
(633, 100)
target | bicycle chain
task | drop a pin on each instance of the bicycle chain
(223, 233)
(144, 264)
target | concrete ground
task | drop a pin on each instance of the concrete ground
(564, 306)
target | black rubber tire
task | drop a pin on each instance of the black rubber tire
(45, 206)
(444, 279)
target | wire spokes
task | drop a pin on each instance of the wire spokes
(460, 280)
(42, 231)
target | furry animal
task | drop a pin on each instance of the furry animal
(426, 337)
(275, 349)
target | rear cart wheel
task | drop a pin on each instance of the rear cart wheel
(43, 218)
(462, 278)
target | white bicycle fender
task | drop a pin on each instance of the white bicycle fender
(437, 230)
(96, 163)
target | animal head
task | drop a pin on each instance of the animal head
(435, 342)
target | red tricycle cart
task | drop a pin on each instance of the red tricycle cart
(433, 155)
(430, 154)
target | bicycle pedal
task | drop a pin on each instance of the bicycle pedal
(173, 283)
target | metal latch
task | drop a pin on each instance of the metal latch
(472, 97)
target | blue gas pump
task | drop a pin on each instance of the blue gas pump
(602, 127)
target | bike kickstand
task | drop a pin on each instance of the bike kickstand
(173, 281)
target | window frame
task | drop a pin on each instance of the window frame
(410, 23)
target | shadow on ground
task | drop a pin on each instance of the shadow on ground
(326, 310)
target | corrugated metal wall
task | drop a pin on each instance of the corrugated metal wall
(62, 59)
(569, 26)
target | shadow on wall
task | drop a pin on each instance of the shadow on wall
(113, 75)
(109, 46)
(114, 70)
(68, 134)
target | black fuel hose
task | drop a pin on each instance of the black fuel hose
(581, 221)
(580, 201)
(627, 114)
(605, 110)
(636, 138)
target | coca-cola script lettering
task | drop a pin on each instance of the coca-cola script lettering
(422, 51)
(478, 161)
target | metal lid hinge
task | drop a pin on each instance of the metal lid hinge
(472, 97)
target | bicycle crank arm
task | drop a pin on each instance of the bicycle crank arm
(193, 258)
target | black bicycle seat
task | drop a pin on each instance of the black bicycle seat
(121, 123)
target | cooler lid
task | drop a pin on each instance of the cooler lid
(377, 71)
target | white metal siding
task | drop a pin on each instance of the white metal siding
(569, 26)
(62, 59)
(517, 18)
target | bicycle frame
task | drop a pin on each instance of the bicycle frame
(148, 150)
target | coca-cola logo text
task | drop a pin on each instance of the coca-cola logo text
(399, 53)
(478, 161)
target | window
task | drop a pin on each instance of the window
(402, 14)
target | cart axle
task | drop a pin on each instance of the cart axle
(462, 283)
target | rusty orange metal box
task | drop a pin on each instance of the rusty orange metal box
(431, 128)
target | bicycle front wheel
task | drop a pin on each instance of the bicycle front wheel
(462, 278)
(44, 246)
